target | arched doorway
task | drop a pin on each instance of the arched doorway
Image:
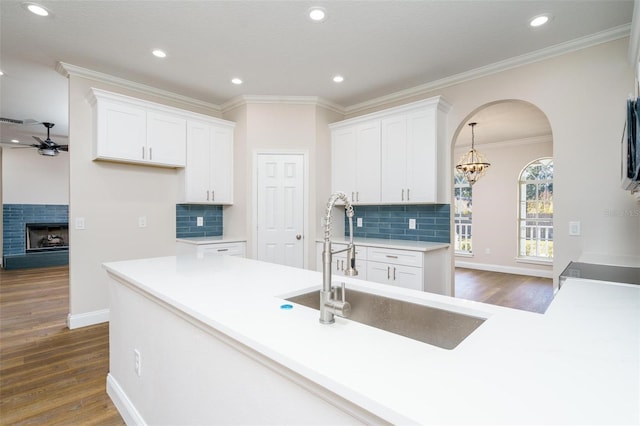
(511, 134)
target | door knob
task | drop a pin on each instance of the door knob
(298, 237)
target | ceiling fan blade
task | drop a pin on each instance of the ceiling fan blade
(63, 147)
(40, 140)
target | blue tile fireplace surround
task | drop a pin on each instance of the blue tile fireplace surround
(433, 222)
(15, 218)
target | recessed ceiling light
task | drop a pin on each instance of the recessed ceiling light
(338, 79)
(1, 73)
(538, 21)
(236, 80)
(317, 14)
(159, 53)
(36, 9)
(15, 141)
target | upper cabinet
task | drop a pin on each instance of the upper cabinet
(136, 131)
(353, 150)
(208, 176)
(392, 156)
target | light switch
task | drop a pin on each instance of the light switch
(142, 222)
(574, 228)
(79, 222)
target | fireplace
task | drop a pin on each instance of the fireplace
(47, 237)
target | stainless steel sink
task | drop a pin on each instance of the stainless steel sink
(434, 326)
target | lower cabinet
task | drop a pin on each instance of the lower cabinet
(414, 269)
(222, 248)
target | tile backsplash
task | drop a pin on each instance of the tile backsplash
(187, 220)
(391, 222)
(16, 216)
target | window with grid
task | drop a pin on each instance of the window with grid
(462, 214)
(535, 211)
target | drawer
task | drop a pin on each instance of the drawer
(395, 256)
(232, 249)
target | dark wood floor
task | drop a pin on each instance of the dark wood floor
(52, 375)
(48, 373)
(513, 291)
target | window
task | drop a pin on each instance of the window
(462, 214)
(535, 211)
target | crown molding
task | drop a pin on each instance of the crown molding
(68, 69)
(517, 61)
(287, 100)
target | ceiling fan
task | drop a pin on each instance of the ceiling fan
(45, 147)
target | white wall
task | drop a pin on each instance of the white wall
(31, 178)
(495, 206)
(110, 197)
(583, 94)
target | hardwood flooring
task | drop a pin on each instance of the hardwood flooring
(48, 373)
(513, 291)
(52, 375)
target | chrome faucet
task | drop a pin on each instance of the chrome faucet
(329, 303)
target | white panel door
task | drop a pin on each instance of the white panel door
(421, 156)
(198, 162)
(166, 139)
(280, 209)
(368, 163)
(394, 159)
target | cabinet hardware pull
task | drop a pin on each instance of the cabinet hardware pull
(408, 196)
(150, 153)
(213, 195)
(207, 195)
(388, 272)
(390, 256)
(352, 197)
(402, 197)
(394, 273)
(226, 249)
(358, 196)
(342, 265)
(143, 152)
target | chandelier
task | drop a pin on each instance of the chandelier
(473, 164)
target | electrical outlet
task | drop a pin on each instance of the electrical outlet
(142, 222)
(200, 221)
(359, 222)
(137, 362)
(79, 222)
(574, 228)
(412, 224)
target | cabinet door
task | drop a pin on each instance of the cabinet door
(122, 131)
(221, 171)
(368, 163)
(379, 272)
(407, 277)
(394, 159)
(166, 139)
(196, 172)
(343, 161)
(421, 156)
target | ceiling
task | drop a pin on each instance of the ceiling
(380, 47)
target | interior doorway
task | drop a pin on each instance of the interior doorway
(280, 208)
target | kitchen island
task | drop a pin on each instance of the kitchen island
(206, 341)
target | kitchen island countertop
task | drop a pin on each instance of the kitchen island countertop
(579, 363)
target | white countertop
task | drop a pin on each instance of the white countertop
(577, 364)
(392, 244)
(210, 240)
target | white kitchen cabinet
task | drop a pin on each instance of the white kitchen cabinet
(397, 275)
(409, 153)
(208, 175)
(355, 161)
(135, 131)
(392, 156)
(339, 261)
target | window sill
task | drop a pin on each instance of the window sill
(534, 261)
(463, 254)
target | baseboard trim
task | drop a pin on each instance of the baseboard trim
(122, 402)
(87, 319)
(505, 269)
